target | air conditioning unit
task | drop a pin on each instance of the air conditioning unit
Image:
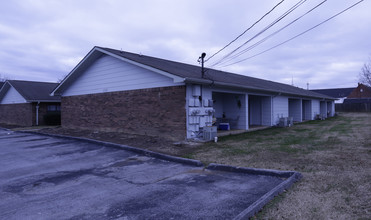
(210, 133)
(283, 122)
(286, 121)
(290, 121)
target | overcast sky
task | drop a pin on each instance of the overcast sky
(43, 40)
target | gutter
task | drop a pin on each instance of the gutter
(29, 100)
(207, 81)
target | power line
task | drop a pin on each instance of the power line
(245, 30)
(298, 35)
(262, 31)
(271, 35)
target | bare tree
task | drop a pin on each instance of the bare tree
(3, 78)
(365, 74)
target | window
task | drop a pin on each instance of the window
(54, 108)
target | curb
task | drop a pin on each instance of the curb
(247, 170)
(250, 211)
(290, 176)
(126, 147)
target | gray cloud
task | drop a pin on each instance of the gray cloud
(44, 40)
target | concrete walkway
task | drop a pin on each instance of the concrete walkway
(45, 177)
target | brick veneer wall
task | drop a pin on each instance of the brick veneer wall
(43, 110)
(357, 94)
(16, 114)
(154, 112)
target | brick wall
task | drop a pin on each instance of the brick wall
(43, 110)
(154, 112)
(23, 114)
(357, 94)
(16, 114)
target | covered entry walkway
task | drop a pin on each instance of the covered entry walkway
(230, 108)
(295, 109)
(306, 110)
(260, 110)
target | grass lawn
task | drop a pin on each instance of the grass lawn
(334, 157)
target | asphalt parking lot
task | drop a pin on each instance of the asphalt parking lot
(44, 177)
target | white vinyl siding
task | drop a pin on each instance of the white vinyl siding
(260, 108)
(307, 109)
(295, 110)
(109, 74)
(13, 97)
(227, 104)
(280, 108)
(266, 111)
(255, 106)
(315, 108)
(331, 108)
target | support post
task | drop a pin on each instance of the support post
(37, 113)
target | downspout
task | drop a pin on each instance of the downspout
(37, 113)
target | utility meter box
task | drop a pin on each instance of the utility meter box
(210, 133)
(196, 90)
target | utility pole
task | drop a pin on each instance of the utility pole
(201, 60)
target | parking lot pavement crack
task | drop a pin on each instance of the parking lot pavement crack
(54, 179)
(194, 171)
(93, 180)
(14, 136)
(33, 140)
(136, 183)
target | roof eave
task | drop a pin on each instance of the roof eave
(232, 85)
(4, 90)
(43, 100)
(64, 83)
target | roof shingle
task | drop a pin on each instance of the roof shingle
(35, 91)
(336, 93)
(192, 71)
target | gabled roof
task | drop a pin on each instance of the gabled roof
(1, 84)
(31, 91)
(182, 72)
(336, 93)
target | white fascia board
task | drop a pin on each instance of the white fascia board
(72, 72)
(17, 91)
(176, 79)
